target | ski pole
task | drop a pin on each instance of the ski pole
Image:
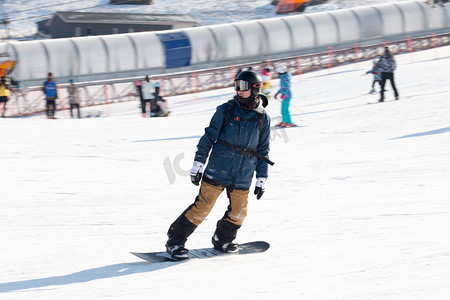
(295, 108)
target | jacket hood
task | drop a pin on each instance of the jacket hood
(263, 102)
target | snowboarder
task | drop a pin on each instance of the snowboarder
(51, 94)
(240, 147)
(376, 71)
(388, 65)
(285, 91)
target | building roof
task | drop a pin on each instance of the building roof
(125, 18)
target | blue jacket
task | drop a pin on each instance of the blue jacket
(226, 166)
(50, 89)
(376, 71)
(285, 85)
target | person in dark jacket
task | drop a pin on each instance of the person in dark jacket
(138, 86)
(239, 149)
(51, 94)
(387, 65)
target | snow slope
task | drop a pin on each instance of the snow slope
(356, 206)
(23, 14)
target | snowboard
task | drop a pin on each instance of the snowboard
(246, 248)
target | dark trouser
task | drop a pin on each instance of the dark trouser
(196, 213)
(3, 100)
(154, 107)
(51, 107)
(144, 105)
(75, 106)
(384, 77)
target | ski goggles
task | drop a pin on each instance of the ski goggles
(242, 85)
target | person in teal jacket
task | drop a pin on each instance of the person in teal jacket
(286, 95)
(237, 149)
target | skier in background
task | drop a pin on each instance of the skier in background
(266, 76)
(157, 110)
(376, 71)
(4, 93)
(387, 65)
(160, 107)
(74, 98)
(138, 92)
(239, 148)
(285, 91)
(237, 73)
(148, 92)
(51, 94)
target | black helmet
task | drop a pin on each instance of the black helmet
(251, 77)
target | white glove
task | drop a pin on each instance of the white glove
(196, 172)
(259, 187)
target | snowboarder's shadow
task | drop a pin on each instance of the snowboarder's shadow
(109, 271)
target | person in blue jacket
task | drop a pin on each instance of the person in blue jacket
(237, 143)
(376, 71)
(286, 95)
(51, 94)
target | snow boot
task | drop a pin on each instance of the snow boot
(224, 247)
(177, 252)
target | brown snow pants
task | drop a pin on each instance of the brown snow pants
(237, 210)
(197, 212)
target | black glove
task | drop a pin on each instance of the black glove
(259, 187)
(196, 178)
(196, 172)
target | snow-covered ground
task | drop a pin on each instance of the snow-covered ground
(23, 14)
(356, 205)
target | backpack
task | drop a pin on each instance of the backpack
(229, 115)
(230, 111)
